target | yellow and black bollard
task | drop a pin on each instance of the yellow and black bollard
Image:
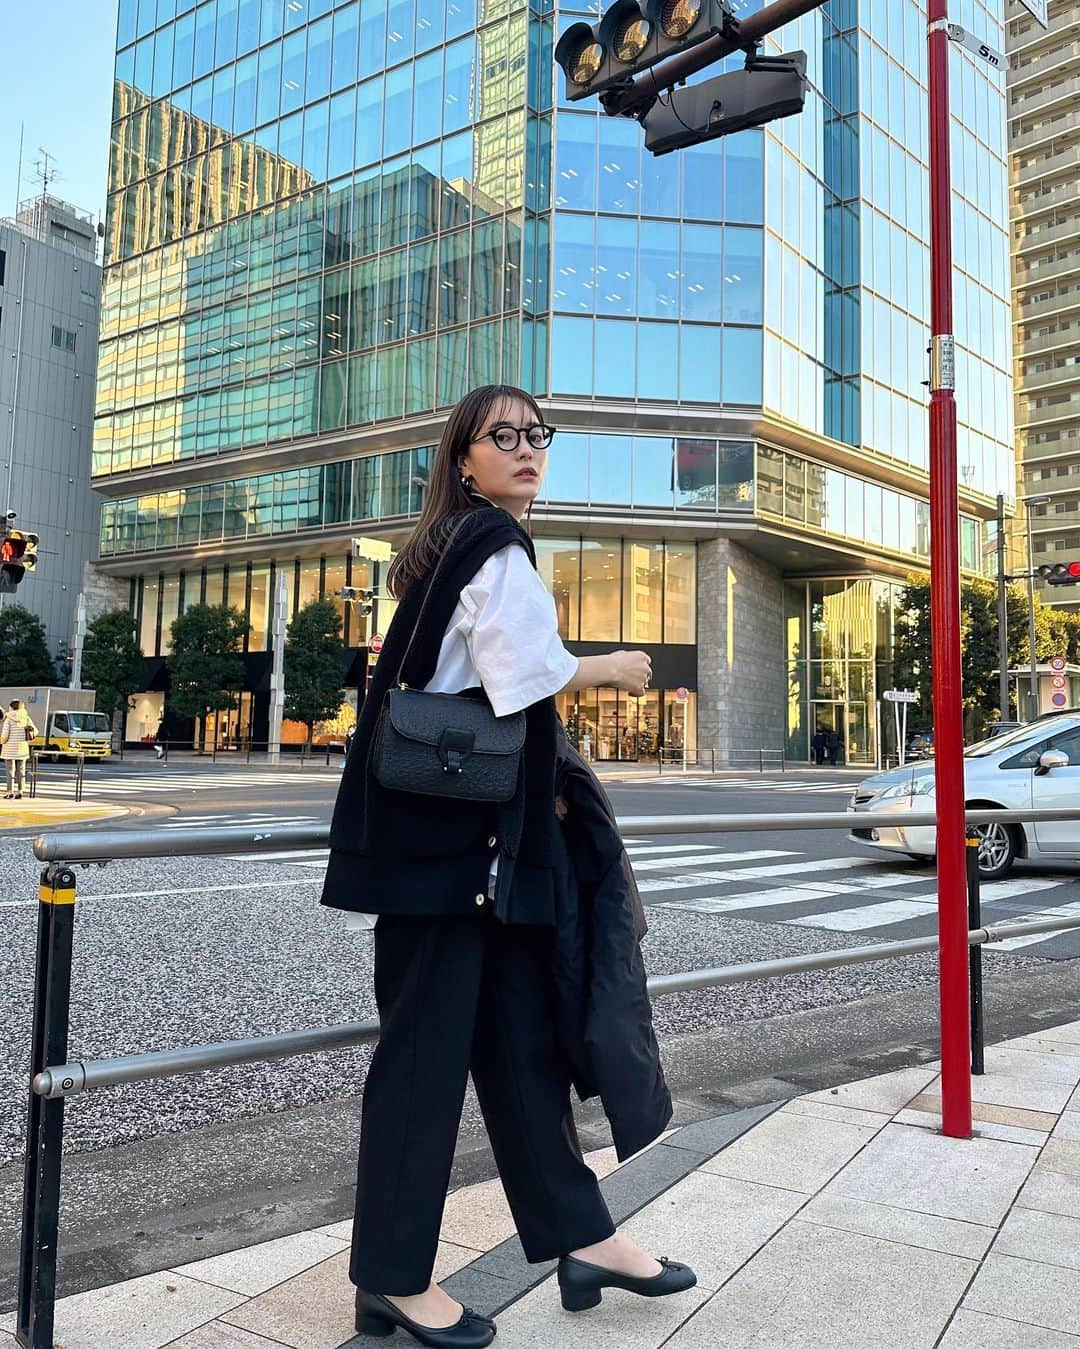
(45, 1127)
(975, 952)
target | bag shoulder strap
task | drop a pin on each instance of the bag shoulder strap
(427, 595)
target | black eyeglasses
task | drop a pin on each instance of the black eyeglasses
(508, 438)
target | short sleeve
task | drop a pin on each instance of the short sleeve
(514, 637)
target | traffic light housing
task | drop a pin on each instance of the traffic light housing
(769, 87)
(632, 36)
(1060, 573)
(18, 555)
(361, 596)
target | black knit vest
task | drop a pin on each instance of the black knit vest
(402, 853)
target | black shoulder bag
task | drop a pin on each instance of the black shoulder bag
(445, 744)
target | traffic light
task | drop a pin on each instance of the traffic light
(632, 36)
(769, 87)
(18, 555)
(1060, 573)
(359, 595)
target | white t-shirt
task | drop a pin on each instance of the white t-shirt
(503, 636)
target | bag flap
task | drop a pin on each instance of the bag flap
(424, 716)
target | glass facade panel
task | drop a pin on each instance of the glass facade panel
(643, 592)
(600, 590)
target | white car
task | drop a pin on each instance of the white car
(1035, 767)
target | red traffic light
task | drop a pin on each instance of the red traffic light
(12, 548)
(1060, 573)
(1074, 568)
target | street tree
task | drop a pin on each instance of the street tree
(314, 664)
(24, 652)
(112, 661)
(206, 668)
(1056, 632)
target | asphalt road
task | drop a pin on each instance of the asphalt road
(184, 950)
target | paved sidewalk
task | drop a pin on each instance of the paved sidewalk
(838, 1218)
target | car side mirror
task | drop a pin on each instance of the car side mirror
(1051, 758)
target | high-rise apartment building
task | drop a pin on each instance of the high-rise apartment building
(1044, 138)
(327, 221)
(50, 285)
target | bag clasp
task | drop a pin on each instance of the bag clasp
(454, 749)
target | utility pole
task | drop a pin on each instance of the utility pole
(277, 668)
(945, 611)
(1003, 615)
(77, 642)
(1028, 503)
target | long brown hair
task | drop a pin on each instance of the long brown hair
(445, 497)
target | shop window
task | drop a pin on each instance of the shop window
(680, 593)
(600, 590)
(559, 563)
(643, 591)
(259, 609)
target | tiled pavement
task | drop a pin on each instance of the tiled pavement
(838, 1218)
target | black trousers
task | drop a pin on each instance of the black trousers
(454, 995)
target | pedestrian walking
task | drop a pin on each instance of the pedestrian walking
(817, 746)
(507, 924)
(15, 735)
(834, 747)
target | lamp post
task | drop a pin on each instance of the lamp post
(1039, 500)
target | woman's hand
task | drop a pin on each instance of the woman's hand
(633, 670)
(560, 807)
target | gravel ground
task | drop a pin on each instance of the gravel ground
(153, 971)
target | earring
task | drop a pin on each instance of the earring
(466, 482)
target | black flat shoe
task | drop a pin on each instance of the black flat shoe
(580, 1283)
(377, 1315)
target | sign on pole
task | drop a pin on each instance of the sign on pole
(900, 696)
(1057, 664)
(1059, 700)
(1038, 9)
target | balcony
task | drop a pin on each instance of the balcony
(1058, 56)
(1063, 375)
(1060, 127)
(1064, 194)
(1066, 411)
(1065, 161)
(1059, 92)
(1057, 341)
(1027, 277)
(1029, 243)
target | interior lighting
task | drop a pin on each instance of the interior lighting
(678, 17)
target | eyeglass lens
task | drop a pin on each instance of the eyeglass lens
(509, 437)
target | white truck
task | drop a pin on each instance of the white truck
(66, 721)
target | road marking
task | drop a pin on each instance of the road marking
(757, 899)
(1033, 938)
(869, 915)
(639, 850)
(661, 864)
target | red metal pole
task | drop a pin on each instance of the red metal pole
(945, 612)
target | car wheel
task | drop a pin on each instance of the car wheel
(997, 850)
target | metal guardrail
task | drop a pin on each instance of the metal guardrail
(53, 1078)
(79, 765)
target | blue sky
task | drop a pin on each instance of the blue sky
(56, 63)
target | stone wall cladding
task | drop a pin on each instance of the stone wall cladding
(741, 704)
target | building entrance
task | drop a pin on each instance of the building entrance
(608, 724)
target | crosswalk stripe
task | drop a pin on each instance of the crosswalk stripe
(870, 915)
(1071, 910)
(663, 863)
(636, 850)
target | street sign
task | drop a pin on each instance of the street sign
(1038, 8)
(372, 658)
(682, 694)
(900, 696)
(375, 550)
(1058, 681)
(376, 643)
(1057, 663)
(968, 40)
(1059, 700)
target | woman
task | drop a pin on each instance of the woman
(471, 905)
(15, 736)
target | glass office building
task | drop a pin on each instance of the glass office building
(327, 221)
